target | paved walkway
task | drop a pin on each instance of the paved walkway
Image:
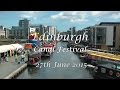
(7, 68)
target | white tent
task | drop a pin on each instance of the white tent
(5, 48)
(17, 46)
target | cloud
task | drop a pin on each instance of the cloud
(83, 16)
(72, 16)
(99, 13)
(116, 16)
(29, 14)
(112, 14)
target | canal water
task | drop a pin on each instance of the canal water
(50, 67)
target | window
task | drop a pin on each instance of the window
(10, 32)
(116, 66)
(99, 39)
(100, 30)
(103, 70)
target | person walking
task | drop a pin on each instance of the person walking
(22, 57)
(4, 58)
(16, 58)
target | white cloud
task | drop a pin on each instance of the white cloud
(29, 14)
(72, 16)
(60, 16)
(82, 16)
(105, 13)
(115, 16)
(99, 13)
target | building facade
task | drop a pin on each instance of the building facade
(116, 35)
(4, 32)
(105, 35)
(41, 29)
(21, 31)
(24, 23)
(73, 30)
(51, 30)
(101, 37)
(18, 33)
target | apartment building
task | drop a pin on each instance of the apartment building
(21, 31)
(105, 35)
(116, 33)
(102, 36)
(4, 32)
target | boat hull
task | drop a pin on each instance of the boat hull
(33, 65)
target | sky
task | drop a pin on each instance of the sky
(63, 20)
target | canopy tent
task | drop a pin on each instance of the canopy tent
(37, 42)
(17, 46)
(5, 48)
(28, 46)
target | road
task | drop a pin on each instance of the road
(54, 70)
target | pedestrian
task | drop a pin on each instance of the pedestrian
(7, 59)
(4, 58)
(16, 58)
(28, 57)
(22, 57)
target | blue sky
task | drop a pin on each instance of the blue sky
(63, 20)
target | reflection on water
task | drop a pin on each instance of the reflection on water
(58, 72)
(32, 70)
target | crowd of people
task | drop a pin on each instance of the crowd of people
(22, 57)
(18, 56)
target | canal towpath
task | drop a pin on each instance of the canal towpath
(6, 68)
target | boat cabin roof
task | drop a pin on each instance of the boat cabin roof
(104, 55)
(34, 54)
(110, 66)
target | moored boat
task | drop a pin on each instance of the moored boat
(82, 55)
(48, 49)
(34, 59)
(108, 70)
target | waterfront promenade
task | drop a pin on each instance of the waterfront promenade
(6, 68)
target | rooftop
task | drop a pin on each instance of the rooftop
(113, 23)
(16, 27)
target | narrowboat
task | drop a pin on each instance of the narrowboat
(108, 70)
(70, 44)
(82, 56)
(48, 49)
(54, 43)
(34, 59)
(87, 58)
(107, 65)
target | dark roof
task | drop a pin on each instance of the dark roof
(17, 28)
(109, 23)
